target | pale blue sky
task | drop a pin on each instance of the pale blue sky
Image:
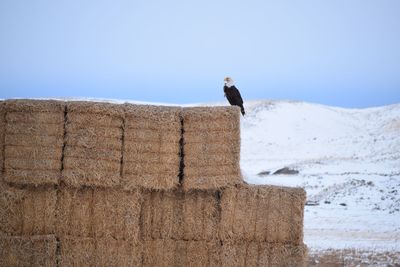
(337, 52)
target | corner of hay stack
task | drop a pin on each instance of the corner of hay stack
(151, 147)
(249, 253)
(33, 140)
(211, 148)
(276, 213)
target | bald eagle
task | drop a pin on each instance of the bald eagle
(233, 94)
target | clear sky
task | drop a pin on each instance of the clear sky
(336, 52)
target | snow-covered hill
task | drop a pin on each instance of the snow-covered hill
(348, 162)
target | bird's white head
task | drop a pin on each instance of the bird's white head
(228, 81)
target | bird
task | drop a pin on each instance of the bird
(233, 94)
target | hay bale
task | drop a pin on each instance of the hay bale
(88, 153)
(111, 252)
(32, 118)
(211, 118)
(132, 150)
(29, 164)
(27, 212)
(75, 212)
(33, 106)
(152, 117)
(93, 151)
(31, 177)
(77, 251)
(94, 143)
(99, 252)
(211, 149)
(179, 215)
(213, 137)
(98, 213)
(90, 132)
(28, 140)
(210, 177)
(34, 165)
(181, 253)
(152, 135)
(44, 129)
(101, 108)
(151, 147)
(78, 178)
(116, 214)
(240, 254)
(95, 120)
(34, 133)
(28, 250)
(197, 148)
(33, 152)
(91, 165)
(245, 253)
(263, 214)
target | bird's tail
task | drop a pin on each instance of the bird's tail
(242, 110)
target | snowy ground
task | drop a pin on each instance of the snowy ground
(348, 162)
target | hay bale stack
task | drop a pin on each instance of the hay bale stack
(181, 253)
(141, 185)
(263, 254)
(180, 216)
(27, 212)
(211, 147)
(99, 252)
(99, 213)
(263, 214)
(93, 148)
(28, 251)
(34, 133)
(151, 147)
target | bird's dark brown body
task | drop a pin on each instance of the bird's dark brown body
(234, 97)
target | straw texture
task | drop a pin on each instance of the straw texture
(99, 213)
(116, 214)
(28, 250)
(263, 254)
(76, 251)
(33, 141)
(75, 212)
(211, 147)
(93, 151)
(99, 252)
(27, 212)
(262, 213)
(180, 216)
(151, 147)
(111, 252)
(181, 253)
